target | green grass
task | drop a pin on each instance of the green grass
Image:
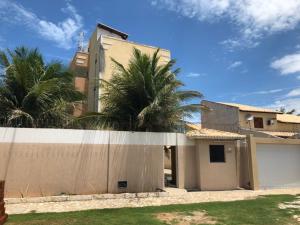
(261, 211)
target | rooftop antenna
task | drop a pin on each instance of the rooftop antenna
(80, 47)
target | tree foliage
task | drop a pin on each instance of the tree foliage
(33, 93)
(146, 95)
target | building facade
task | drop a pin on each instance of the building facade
(105, 44)
(246, 119)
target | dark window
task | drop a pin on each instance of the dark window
(217, 153)
(258, 122)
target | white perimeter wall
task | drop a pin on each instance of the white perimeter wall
(40, 162)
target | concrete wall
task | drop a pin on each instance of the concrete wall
(94, 72)
(195, 172)
(122, 51)
(187, 168)
(289, 127)
(277, 126)
(244, 166)
(167, 159)
(219, 116)
(229, 118)
(102, 48)
(42, 162)
(217, 176)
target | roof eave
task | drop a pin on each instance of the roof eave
(110, 29)
(216, 138)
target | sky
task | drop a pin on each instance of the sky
(244, 51)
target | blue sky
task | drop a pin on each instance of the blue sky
(245, 51)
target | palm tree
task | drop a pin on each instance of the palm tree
(145, 96)
(35, 94)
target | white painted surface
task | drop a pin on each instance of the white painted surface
(278, 165)
(69, 136)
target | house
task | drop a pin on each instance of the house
(246, 119)
(268, 158)
(203, 159)
(105, 44)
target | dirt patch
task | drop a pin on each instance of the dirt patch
(293, 207)
(197, 217)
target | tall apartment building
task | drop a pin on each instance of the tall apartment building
(105, 43)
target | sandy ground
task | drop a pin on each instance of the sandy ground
(176, 196)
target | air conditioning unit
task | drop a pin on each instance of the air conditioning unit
(271, 122)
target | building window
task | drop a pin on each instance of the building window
(258, 122)
(217, 153)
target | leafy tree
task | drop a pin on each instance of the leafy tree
(145, 96)
(33, 93)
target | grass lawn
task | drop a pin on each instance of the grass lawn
(263, 210)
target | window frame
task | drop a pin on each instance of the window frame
(255, 118)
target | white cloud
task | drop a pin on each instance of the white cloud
(294, 93)
(288, 104)
(254, 18)
(235, 65)
(288, 64)
(263, 92)
(196, 74)
(273, 91)
(63, 33)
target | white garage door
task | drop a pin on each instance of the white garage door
(278, 165)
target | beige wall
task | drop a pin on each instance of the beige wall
(187, 167)
(277, 126)
(244, 165)
(94, 68)
(53, 169)
(42, 162)
(219, 116)
(122, 51)
(229, 118)
(217, 176)
(167, 159)
(289, 127)
(80, 161)
(197, 173)
(140, 165)
(102, 48)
